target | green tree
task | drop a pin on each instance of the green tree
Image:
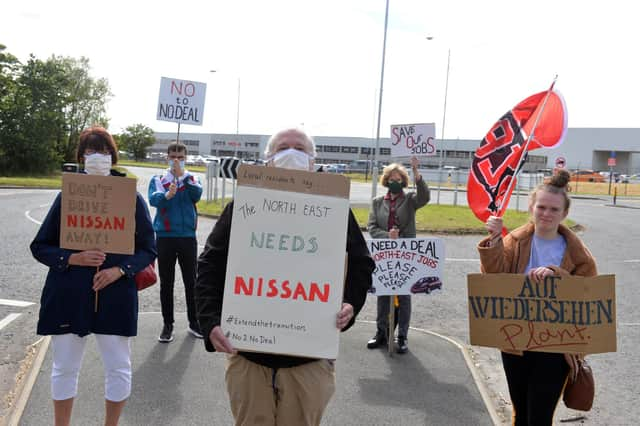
(44, 105)
(136, 139)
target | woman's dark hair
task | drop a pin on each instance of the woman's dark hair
(98, 139)
(556, 184)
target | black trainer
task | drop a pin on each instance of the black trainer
(195, 332)
(167, 334)
(402, 345)
(377, 341)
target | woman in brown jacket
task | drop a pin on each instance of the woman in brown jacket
(540, 248)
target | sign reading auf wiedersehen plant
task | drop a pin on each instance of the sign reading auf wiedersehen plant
(286, 266)
(559, 314)
(98, 212)
(181, 101)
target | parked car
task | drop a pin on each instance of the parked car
(426, 285)
(587, 176)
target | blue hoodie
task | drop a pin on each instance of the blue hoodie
(178, 216)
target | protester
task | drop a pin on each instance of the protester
(68, 307)
(175, 194)
(393, 215)
(267, 388)
(540, 248)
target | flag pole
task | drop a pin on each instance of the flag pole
(503, 207)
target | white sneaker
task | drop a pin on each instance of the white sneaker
(195, 333)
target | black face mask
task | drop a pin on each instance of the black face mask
(395, 187)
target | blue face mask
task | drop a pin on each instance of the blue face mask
(170, 163)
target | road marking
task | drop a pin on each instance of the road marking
(633, 324)
(7, 320)
(18, 303)
(631, 261)
(28, 215)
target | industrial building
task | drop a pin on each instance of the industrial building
(583, 148)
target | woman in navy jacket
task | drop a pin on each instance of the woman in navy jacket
(67, 307)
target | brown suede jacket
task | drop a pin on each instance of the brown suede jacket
(511, 254)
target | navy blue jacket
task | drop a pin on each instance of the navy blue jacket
(67, 301)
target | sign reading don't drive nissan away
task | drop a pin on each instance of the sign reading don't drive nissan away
(181, 101)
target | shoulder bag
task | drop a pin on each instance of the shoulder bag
(579, 392)
(147, 277)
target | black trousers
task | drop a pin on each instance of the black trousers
(536, 381)
(184, 249)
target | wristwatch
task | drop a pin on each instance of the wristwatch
(121, 270)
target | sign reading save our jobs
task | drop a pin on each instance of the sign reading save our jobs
(408, 140)
(559, 314)
(98, 212)
(407, 265)
(181, 101)
(286, 265)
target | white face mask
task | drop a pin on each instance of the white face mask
(292, 159)
(97, 164)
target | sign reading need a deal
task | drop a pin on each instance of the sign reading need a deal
(181, 101)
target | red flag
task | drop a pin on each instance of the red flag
(499, 157)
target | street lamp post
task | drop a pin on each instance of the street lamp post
(374, 172)
(443, 152)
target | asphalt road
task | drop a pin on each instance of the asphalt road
(612, 234)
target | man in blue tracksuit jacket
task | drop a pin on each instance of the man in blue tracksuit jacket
(175, 194)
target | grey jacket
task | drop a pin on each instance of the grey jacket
(405, 212)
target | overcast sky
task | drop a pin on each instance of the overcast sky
(318, 62)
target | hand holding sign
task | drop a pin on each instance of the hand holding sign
(344, 316)
(88, 258)
(173, 188)
(105, 277)
(220, 341)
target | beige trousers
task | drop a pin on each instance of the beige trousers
(293, 396)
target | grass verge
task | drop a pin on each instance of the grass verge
(430, 219)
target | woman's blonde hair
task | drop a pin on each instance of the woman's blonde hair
(556, 184)
(394, 167)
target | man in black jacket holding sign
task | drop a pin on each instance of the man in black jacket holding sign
(271, 388)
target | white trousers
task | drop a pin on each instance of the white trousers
(68, 350)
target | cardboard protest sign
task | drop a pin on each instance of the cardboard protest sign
(561, 314)
(98, 212)
(407, 265)
(181, 101)
(408, 140)
(286, 264)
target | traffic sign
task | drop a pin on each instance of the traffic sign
(561, 162)
(228, 167)
(611, 161)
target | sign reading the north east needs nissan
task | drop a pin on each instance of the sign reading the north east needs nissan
(286, 266)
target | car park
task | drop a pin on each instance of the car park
(426, 285)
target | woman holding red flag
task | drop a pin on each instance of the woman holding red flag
(540, 248)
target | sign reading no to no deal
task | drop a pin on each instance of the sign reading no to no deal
(181, 101)
(408, 140)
